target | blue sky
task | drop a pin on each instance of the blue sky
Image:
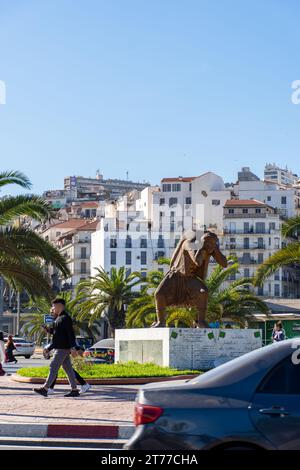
(156, 88)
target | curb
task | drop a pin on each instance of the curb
(66, 431)
(117, 381)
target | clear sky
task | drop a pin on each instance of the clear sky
(153, 87)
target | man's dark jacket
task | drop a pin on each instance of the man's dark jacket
(63, 333)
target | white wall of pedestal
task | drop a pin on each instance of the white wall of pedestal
(185, 348)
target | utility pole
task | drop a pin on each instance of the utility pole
(18, 313)
(1, 302)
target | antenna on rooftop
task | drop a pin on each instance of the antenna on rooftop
(127, 175)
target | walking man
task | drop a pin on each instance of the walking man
(63, 342)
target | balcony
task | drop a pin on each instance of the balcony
(248, 232)
(245, 216)
(246, 261)
(238, 246)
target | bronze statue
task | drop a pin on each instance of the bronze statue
(183, 285)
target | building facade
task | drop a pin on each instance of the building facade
(252, 233)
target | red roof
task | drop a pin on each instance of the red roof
(92, 226)
(243, 202)
(73, 224)
(89, 204)
(184, 179)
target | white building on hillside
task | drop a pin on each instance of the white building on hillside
(282, 197)
(252, 233)
(280, 175)
(142, 227)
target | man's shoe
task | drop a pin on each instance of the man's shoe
(41, 391)
(72, 393)
(84, 388)
(50, 391)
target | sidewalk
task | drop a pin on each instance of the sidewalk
(105, 411)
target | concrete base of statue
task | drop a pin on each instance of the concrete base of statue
(185, 348)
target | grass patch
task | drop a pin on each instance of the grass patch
(109, 371)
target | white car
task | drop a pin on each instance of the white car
(24, 348)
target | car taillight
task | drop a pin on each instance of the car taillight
(144, 414)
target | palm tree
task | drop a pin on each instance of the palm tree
(235, 301)
(22, 251)
(141, 311)
(106, 296)
(41, 306)
(289, 255)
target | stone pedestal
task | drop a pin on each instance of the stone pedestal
(185, 348)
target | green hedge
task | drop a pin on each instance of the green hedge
(107, 371)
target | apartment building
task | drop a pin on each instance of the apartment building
(73, 240)
(252, 233)
(279, 175)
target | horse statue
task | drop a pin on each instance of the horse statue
(183, 285)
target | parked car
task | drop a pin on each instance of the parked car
(251, 402)
(101, 352)
(24, 348)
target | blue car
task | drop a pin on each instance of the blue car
(249, 403)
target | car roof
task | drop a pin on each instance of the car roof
(107, 343)
(239, 377)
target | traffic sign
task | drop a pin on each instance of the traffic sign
(48, 319)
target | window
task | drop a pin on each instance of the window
(160, 242)
(128, 257)
(128, 272)
(245, 211)
(113, 257)
(246, 243)
(246, 227)
(83, 253)
(173, 201)
(260, 258)
(176, 241)
(58, 234)
(260, 291)
(162, 201)
(257, 211)
(160, 254)
(230, 211)
(82, 268)
(269, 198)
(260, 243)
(128, 242)
(176, 187)
(260, 227)
(272, 225)
(277, 276)
(143, 257)
(144, 273)
(246, 272)
(143, 242)
(283, 199)
(216, 202)
(188, 200)
(283, 379)
(166, 188)
(190, 187)
(113, 243)
(276, 290)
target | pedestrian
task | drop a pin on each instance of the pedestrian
(10, 348)
(2, 353)
(84, 386)
(278, 333)
(63, 341)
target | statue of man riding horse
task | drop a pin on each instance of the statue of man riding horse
(183, 284)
